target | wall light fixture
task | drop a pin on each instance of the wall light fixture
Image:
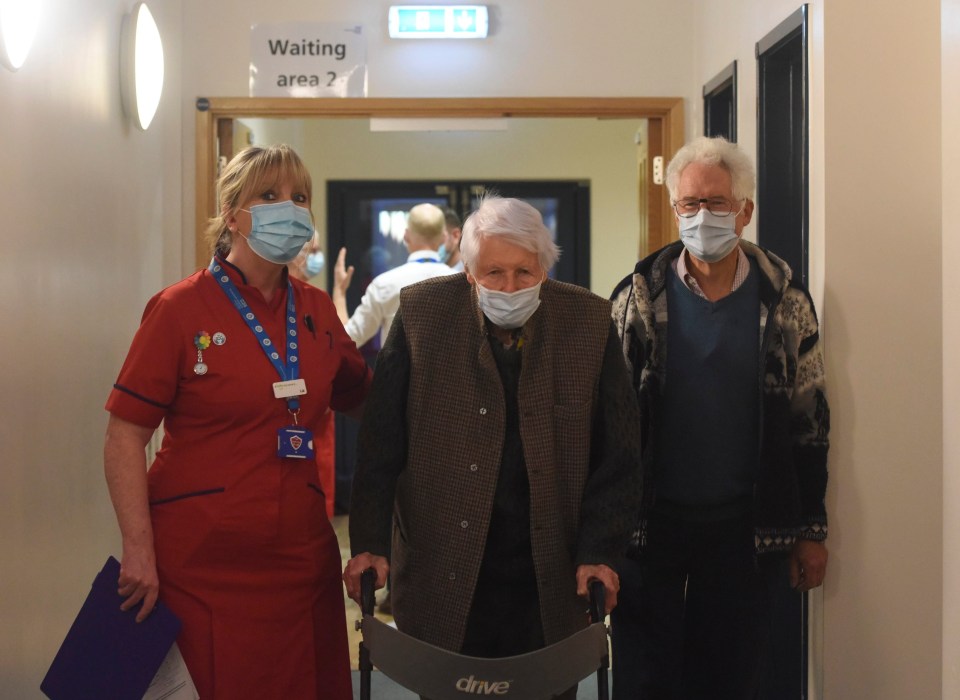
(141, 65)
(18, 25)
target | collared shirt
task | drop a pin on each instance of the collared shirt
(681, 267)
(382, 297)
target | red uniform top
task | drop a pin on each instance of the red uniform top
(245, 553)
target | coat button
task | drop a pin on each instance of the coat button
(463, 524)
(452, 576)
(473, 467)
(483, 411)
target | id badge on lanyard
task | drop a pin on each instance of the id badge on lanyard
(293, 441)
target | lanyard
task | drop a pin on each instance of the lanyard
(287, 372)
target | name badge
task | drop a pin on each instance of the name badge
(294, 442)
(293, 387)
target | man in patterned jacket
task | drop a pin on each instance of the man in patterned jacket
(734, 434)
(495, 536)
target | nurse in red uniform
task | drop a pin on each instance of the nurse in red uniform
(228, 527)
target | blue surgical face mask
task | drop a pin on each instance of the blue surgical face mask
(443, 252)
(315, 263)
(709, 237)
(509, 309)
(279, 231)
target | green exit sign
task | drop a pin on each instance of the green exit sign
(438, 21)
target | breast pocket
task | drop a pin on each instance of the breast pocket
(319, 363)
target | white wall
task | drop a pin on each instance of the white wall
(883, 287)
(534, 49)
(91, 215)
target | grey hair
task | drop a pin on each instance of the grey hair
(516, 221)
(714, 151)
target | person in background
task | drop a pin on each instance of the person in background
(240, 362)
(308, 267)
(423, 236)
(507, 524)
(724, 353)
(450, 249)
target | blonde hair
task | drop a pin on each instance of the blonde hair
(253, 170)
(426, 221)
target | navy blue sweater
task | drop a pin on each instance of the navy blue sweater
(707, 455)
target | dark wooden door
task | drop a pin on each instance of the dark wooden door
(782, 215)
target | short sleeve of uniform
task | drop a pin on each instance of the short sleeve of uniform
(147, 384)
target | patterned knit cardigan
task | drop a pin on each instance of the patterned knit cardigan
(788, 500)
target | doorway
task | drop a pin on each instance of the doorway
(357, 212)
(215, 116)
(367, 217)
(783, 221)
(782, 143)
(720, 104)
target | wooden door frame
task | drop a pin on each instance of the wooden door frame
(665, 116)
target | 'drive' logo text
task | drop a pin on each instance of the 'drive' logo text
(476, 687)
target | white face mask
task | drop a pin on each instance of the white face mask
(509, 309)
(709, 237)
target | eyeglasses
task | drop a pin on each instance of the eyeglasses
(689, 206)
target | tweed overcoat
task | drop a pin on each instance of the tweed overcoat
(584, 490)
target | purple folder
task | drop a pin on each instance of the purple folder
(106, 653)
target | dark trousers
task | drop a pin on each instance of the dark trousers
(505, 621)
(692, 619)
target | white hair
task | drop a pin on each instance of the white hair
(714, 151)
(516, 221)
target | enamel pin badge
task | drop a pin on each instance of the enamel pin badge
(201, 342)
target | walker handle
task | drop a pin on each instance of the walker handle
(597, 614)
(368, 579)
(597, 601)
